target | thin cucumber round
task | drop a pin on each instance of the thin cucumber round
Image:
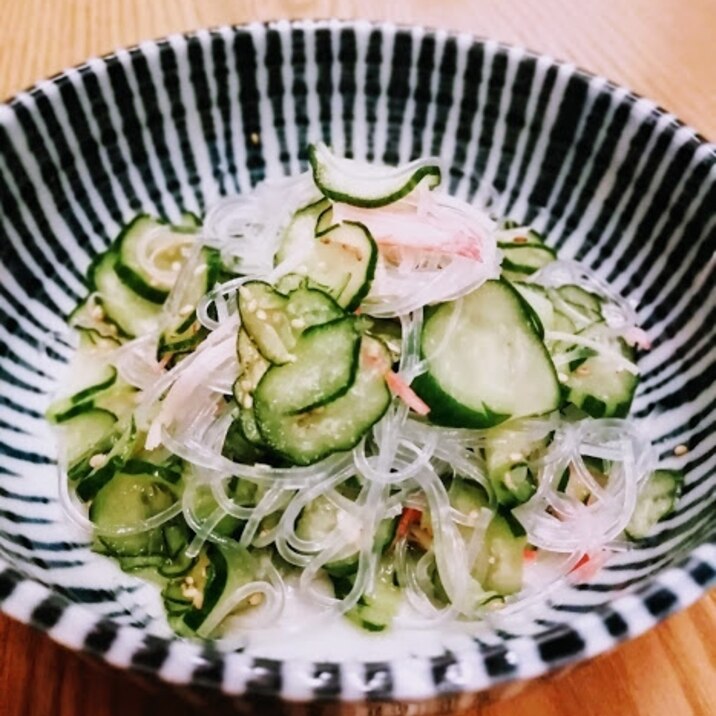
(657, 499)
(308, 436)
(360, 184)
(156, 239)
(598, 386)
(488, 365)
(325, 360)
(133, 314)
(526, 258)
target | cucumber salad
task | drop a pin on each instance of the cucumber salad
(350, 388)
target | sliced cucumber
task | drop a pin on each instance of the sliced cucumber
(128, 500)
(508, 236)
(90, 318)
(384, 536)
(498, 567)
(229, 569)
(182, 331)
(249, 428)
(657, 499)
(145, 236)
(310, 435)
(366, 185)
(491, 366)
(311, 307)
(317, 520)
(238, 447)
(596, 385)
(122, 450)
(301, 232)
(325, 360)
(341, 261)
(536, 296)
(264, 317)
(67, 408)
(507, 454)
(377, 608)
(86, 435)
(526, 258)
(587, 303)
(467, 496)
(134, 315)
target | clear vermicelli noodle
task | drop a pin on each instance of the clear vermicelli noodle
(350, 386)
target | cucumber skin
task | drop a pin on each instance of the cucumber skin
(364, 290)
(129, 276)
(414, 180)
(446, 410)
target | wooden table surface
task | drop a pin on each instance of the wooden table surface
(663, 49)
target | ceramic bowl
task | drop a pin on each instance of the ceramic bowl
(172, 125)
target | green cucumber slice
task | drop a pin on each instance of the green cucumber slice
(341, 261)
(467, 496)
(230, 568)
(596, 385)
(310, 435)
(67, 408)
(587, 303)
(122, 449)
(86, 435)
(134, 315)
(264, 317)
(325, 360)
(301, 232)
(507, 236)
(498, 567)
(526, 258)
(377, 608)
(657, 499)
(129, 500)
(366, 185)
(507, 456)
(90, 319)
(537, 298)
(492, 366)
(166, 245)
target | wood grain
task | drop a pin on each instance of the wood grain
(663, 49)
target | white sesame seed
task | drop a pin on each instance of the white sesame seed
(199, 269)
(516, 456)
(680, 450)
(97, 313)
(261, 314)
(176, 266)
(253, 305)
(248, 402)
(254, 137)
(98, 460)
(298, 323)
(186, 310)
(562, 377)
(185, 251)
(244, 292)
(256, 599)
(246, 384)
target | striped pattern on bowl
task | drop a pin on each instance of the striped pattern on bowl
(173, 125)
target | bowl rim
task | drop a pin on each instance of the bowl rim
(629, 615)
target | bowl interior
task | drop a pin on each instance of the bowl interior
(174, 125)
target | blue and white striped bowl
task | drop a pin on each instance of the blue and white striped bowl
(173, 125)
